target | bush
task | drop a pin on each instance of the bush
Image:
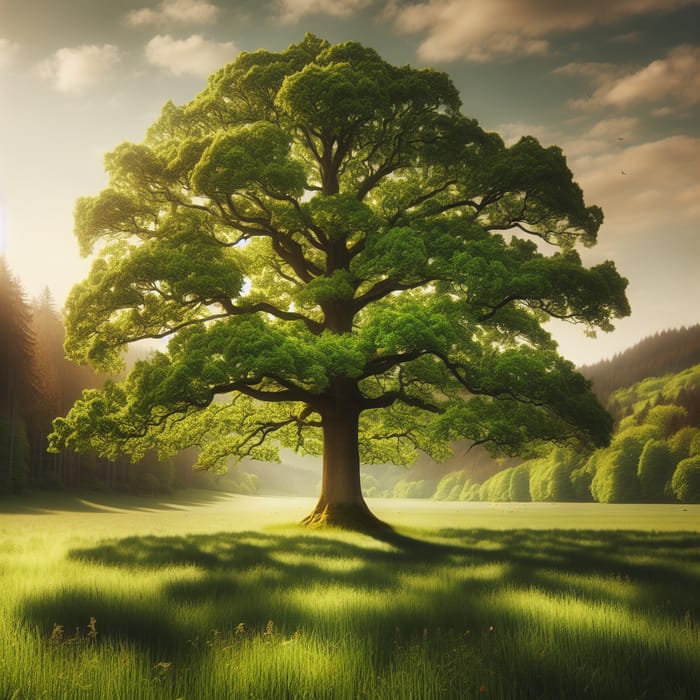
(450, 486)
(667, 419)
(694, 449)
(497, 487)
(520, 484)
(470, 491)
(412, 489)
(370, 486)
(549, 479)
(686, 480)
(681, 442)
(616, 479)
(655, 468)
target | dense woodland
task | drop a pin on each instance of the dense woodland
(654, 454)
(38, 383)
(663, 353)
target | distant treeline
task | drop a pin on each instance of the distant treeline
(37, 384)
(654, 455)
(663, 353)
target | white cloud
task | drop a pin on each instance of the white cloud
(600, 137)
(8, 51)
(175, 12)
(293, 10)
(596, 73)
(480, 30)
(192, 56)
(511, 132)
(674, 79)
(609, 136)
(649, 186)
(74, 70)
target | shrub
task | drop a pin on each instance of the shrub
(470, 491)
(616, 479)
(550, 477)
(667, 419)
(680, 443)
(694, 449)
(582, 477)
(520, 484)
(686, 480)
(450, 486)
(412, 489)
(654, 470)
(497, 487)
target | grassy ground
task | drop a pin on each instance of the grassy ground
(212, 596)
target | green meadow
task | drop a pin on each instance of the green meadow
(221, 596)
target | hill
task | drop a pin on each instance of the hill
(664, 353)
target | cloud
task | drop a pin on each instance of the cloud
(175, 12)
(610, 136)
(192, 56)
(648, 186)
(8, 51)
(627, 37)
(481, 30)
(606, 136)
(75, 70)
(673, 79)
(293, 10)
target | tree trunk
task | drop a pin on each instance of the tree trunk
(341, 503)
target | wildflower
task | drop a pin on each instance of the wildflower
(92, 629)
(56, 634)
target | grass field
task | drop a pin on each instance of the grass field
(218, 596)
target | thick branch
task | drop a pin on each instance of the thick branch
(391, 397)
(383, 288)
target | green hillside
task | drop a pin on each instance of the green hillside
(654, 455)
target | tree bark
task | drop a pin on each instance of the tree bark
(341, 503)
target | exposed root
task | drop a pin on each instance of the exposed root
(345, 516)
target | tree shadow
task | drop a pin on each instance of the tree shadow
(392, 583)
(48, 502)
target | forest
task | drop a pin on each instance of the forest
(38, 383)
(652, 390)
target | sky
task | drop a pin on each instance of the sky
(615, 84)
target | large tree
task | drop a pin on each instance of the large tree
(343, 263)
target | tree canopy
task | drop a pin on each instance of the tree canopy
(343, 263)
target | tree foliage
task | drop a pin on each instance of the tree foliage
(686, 480)
(328, 243)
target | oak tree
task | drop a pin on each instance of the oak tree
(342, 263)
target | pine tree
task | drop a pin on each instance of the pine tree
(17, 390)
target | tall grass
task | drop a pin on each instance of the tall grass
(156, 602)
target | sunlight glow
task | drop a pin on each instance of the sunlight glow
(2, 231)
